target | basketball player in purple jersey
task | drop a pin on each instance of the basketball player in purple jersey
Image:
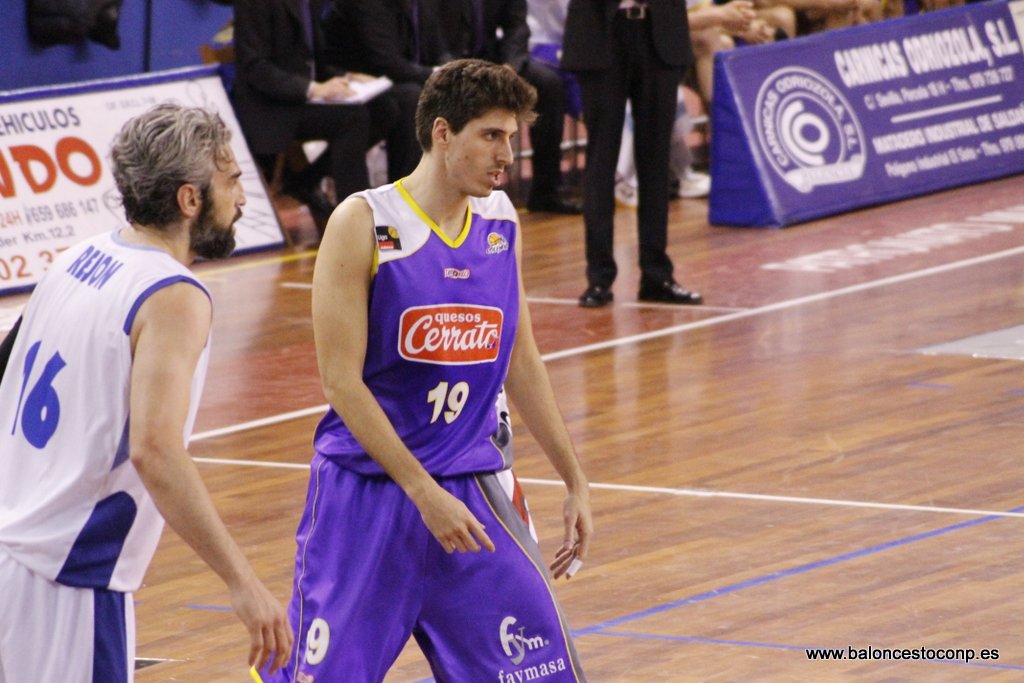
(420, 322)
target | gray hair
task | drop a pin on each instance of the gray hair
(159, 151)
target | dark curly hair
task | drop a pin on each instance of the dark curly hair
(466, 89)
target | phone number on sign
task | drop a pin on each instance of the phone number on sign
(16, 267)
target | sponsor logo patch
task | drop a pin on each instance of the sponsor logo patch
(496, 243)
(519, 646)
(450, 334)
(456, 273)
(387, 238)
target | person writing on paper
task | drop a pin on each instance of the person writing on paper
(281, 76)
(396, 39)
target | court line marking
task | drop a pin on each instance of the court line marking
(261, 422)
(574, 302)
(635, 304)
(694, 493)
(602, 628)
(785, 573)
(273, 260)
(781, 305)
(667, 331)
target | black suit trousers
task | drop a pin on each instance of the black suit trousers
(546, 131)
(346, 128)
(639, 76)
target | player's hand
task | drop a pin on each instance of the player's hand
(270, 633)
(451, 522)
(579, 528)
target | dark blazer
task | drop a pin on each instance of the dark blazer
(378, 37)
(513, 47)
(588, 34)
(272, 62)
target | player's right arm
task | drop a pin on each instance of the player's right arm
(168, 336)
(341, 287)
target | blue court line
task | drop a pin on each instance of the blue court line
(600, 628)
(929, 385)
(775, 576)
(696, 639)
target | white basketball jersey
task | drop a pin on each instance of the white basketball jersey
(72, 506)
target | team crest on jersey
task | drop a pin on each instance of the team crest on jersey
(387, 238)
(496, 243)
(450, 334)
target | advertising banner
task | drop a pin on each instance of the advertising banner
(849, 118)
(56, 186)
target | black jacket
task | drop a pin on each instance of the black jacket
(272, 62)
(588, 34)
(377, 37)
(512, 47)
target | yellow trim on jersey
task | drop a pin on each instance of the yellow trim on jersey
(255, 675)
(429, 221)
(375, 262)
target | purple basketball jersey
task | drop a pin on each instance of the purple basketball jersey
(442, 321)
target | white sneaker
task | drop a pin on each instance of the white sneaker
(625, 194)
(694, 185)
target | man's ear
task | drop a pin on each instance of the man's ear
(441, 132)
(190, 200)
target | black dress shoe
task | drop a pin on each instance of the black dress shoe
(668, 292)
(596, 296)
(554, 204)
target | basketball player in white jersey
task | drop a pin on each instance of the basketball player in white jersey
(97, 403)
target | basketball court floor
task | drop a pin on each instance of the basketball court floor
(816, 476)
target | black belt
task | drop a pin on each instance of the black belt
(634, 12)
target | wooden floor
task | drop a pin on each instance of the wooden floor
(784, 468)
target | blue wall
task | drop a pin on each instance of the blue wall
(179, 28)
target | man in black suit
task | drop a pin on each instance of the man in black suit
(399, 39)
(635, 50)
(283, 83)
(496, 30)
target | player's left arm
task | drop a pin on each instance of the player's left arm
(529, 388)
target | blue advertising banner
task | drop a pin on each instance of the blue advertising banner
(840, 120)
